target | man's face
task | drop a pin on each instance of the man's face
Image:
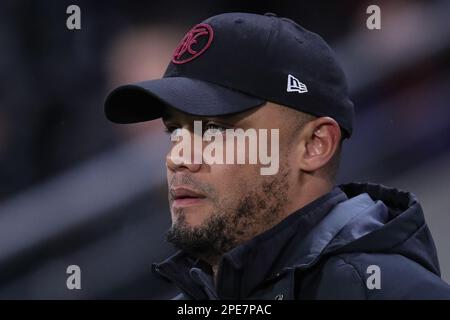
(215, 207)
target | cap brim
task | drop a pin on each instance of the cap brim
(147, 100)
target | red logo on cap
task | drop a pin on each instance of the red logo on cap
(194, 43)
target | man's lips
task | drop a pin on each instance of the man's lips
(183, 196)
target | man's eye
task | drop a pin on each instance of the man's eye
(214, 127)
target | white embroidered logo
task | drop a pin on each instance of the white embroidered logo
(294, 85)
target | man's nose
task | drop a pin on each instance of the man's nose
(179, 158)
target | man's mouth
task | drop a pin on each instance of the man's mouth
(183, 196)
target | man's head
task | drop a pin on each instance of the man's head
(216, 207)
(239, 70)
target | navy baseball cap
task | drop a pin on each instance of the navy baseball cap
(232, 62)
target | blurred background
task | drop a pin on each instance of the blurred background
(76, 189)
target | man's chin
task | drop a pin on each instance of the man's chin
(204, 234)
(192, 217)
(192, 220)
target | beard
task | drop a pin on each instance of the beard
(233, 220)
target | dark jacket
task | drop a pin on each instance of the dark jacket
(360, 241)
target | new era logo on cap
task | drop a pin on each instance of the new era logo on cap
(294, 85)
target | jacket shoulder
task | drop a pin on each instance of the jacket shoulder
(377, 276)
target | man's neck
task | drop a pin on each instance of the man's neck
(310, 189)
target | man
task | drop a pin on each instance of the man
(291, 234)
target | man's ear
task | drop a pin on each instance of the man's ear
(319, 142)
